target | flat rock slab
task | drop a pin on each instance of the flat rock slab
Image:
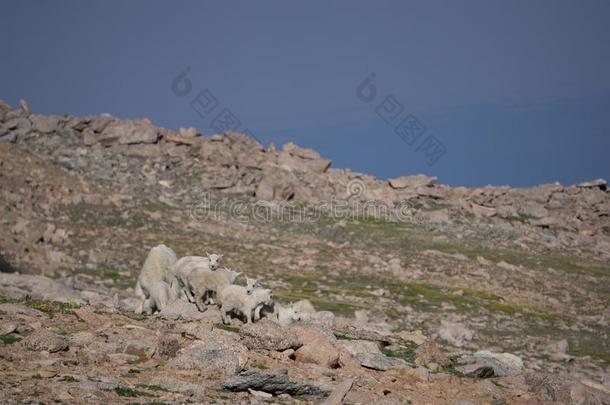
(275, 383)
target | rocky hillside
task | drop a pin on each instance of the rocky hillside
(420, 278)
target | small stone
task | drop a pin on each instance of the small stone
(260, 394)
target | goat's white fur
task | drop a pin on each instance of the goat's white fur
(160, 295)
(155, 269)
(203, 284)
(234, 298)
(183, 267)
(251, 284)
(286, 315)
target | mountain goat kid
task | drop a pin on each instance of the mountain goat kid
(183, 267)
(234, 298)
(204, 284)
(155, 270)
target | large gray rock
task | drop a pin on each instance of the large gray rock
(44, 340)
(268, 335)
(18, 127)
(419, 180)
(277, 185)
(533, 210)
(275, 383)
(290, 162)
(45, 124)
(295, 158)
(597, 183)
(130, 132)
(215, 359)
(320, 352)
(369, 356)
(487, 364)
(304, 153)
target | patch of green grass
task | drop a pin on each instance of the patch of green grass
(591, 345)
(132, 373)
(534, 262)
(258, 365)
(522, 219)
(405, 352)
(228, 328)
(370, 219)
(450, 369)
(132, 315)
(153, 387)
(129, 392)
(343, 337)
(51, 307)
(152, 403)
(10, 339)
(320, 303)
(5, 299)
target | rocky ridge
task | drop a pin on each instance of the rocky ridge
(489, 295)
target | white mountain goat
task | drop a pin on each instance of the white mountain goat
(286, 315)
(235, 299)
(155, 269)
(183, 267)
(160, 295)
(251, 284)
(204, 284)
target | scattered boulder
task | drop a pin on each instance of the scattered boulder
(45, 340)
(485, 363)
(130, 132)
(602, 184)
(370, 356)
(45, 124)
(320, 352)
(339, 392)
(276, 185)
(419, 180)
(416, 336)
(268, 335)
(482, 211)
(276, 383)
(7, 327)
(289, 161)
(212, 357)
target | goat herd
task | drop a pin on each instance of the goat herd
(200, 280)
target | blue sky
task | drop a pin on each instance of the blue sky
(517, 92)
